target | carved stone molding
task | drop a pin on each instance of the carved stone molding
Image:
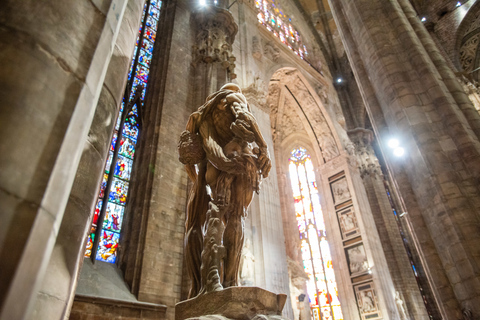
(256, 48)
(366, 158)
(215, 33)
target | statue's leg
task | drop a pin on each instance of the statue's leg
(196, 210)
(193, 259)
(241, 196)
(233, 242)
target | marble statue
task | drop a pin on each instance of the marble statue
(219, 153)
(400, 306)
(247, 265)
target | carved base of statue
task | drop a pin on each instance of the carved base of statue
(234, 303)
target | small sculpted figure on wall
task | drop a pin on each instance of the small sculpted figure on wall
(226, 167)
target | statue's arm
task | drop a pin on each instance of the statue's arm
(192, 126)
(241, 109)
(215, 152)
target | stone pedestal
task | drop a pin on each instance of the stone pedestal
(242, 303)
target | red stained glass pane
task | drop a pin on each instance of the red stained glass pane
(107, 247)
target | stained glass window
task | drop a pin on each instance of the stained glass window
(110, 207)
(271, 15)
(317, 260)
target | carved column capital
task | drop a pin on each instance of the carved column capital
(366, 158)
(215, 33)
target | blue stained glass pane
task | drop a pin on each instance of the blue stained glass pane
(113, 217)
(114, 141)
(154, 12)
(136, 82)
(144, 58)
(152, 23)
(156, 3)
(107, 247)
(109, 162)
(118, 192)
(127, 147)
(123, 168)
(147, 46)
(131, 131)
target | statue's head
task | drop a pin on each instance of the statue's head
(231, 86)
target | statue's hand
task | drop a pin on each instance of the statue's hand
(235, 165)
(241, 129)
(264, 162)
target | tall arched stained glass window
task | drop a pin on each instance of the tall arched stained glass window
(110, 206)
(317, 261)
(271, 15)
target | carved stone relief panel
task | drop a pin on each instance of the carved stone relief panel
(367, 301)
(357, 260)
(340, 191)
(348, 223)
(315, 117)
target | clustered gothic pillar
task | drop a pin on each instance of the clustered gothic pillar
(214, 31)
(55, 58)
(409, 93)
(392, 242)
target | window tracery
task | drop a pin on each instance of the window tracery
(276, 21)
(317, 260)
(110, 207)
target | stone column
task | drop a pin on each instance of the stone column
(57, 290)
(397, 259)
(54, 56)
(214, 31)
(408, 87)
